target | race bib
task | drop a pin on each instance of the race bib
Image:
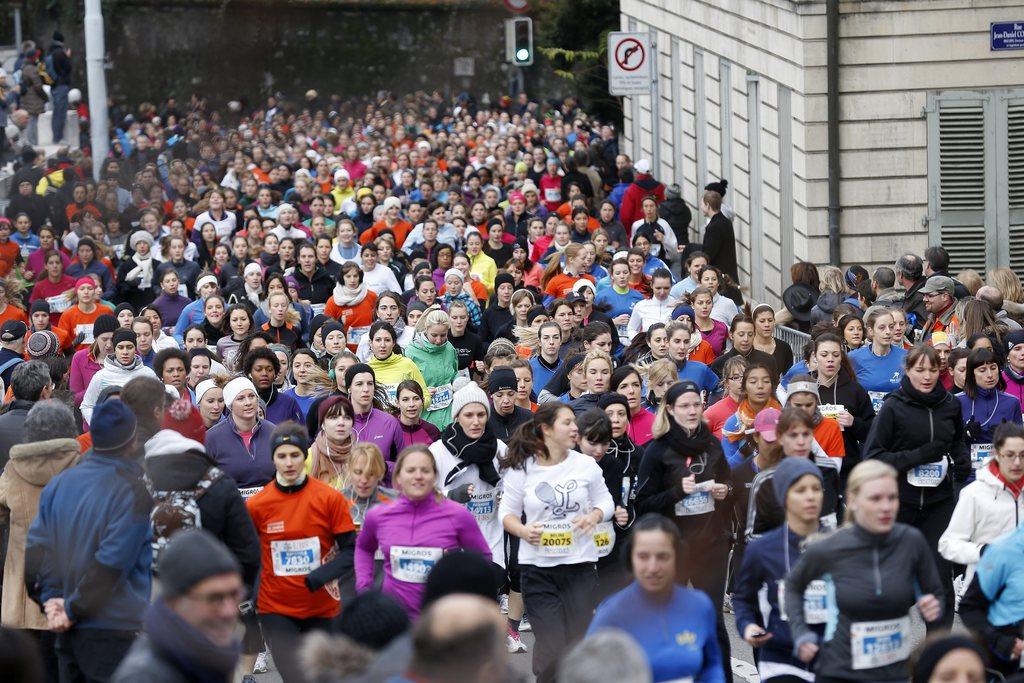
(442, 397)
(831, 410)
(556, 539)
(829, 521)
(604, 538)
(815, 607)
(484, 506)
(58, 304)
(249, 492)
(464, 372)
(700, 502)
(295, 558)
(85, 329)
(928, 475)
(879, 643)
(392, 392)
(413, 565)
(877, 399)
(552, 194)
(980, 453)
(119, 251)
(318, 309)
(356, 333)
(182, 290)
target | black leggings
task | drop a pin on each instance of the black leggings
(284, 636)
(932, 520)
(705, 567)
(560, 602)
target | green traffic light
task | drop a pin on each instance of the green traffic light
(522, 54)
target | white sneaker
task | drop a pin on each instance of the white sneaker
(515, 645)
(524, 624)
(504, 603)
(261, 663)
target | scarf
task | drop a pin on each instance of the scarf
(188, 650)
(1014, 487)
(344, 296)
(937, 395)
(253, 294)
(479, 452)
(746, 415)
(143, 270)
(695, 444)
(328, 459)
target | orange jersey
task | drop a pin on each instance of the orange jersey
(297, 534)
(355, 319)
(74, 320)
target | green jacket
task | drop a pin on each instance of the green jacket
(439, 365)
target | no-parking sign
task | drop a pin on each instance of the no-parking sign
(629, 63)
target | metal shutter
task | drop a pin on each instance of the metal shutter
(1014, 148)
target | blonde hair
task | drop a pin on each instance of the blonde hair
(971, 279)
(411, 450)
(291, 316)
(374, 461)
(596, 354)
(1007, 282)
(861, 474)
(832, 280)
(656, 372)
(434, 315)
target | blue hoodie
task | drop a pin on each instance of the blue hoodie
(1000, 575)
(766, 562)
(90, 543)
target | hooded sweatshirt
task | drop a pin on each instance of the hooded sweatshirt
(921, 435)
(993, 605)
(391, 371)
(382, 430)
(413, 535)
(869, 578)
(439, 366)
(250, 466)
(31, 467)
(112, 374)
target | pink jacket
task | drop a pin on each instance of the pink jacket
(82, 370)
(412, 535)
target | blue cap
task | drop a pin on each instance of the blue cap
(112, 426)
(788, 473)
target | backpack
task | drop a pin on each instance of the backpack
(47, 71)
(176, 510)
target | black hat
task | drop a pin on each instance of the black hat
(316, 323)
(532, 314)
(501, 378)
(357, 369)
(680, 388)
(718, 187)
(934, 651)
(43, 344)
(328, 327)
(293, 438)
(123, 334)
(192, 556)
(13, 330)
(123, 307)
(799, 299)
(58, 37)
(503, 279)
(39, 306)
(417, 306)
(104, 323)
(612, 398)
(460, 572)
(373, 619)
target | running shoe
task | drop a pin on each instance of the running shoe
(515, 644)
(504, 603)
(524, 624)
(261, 666)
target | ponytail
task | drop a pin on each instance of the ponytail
(528, 440)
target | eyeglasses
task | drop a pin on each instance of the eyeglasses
(734, 378)
(214, 599)
(1011, 457)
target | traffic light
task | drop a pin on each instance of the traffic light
(519, 41)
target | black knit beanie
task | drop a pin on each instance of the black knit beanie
(373, 619)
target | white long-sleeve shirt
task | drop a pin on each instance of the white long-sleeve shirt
(554, 496)
(381, 279)
(649, 311)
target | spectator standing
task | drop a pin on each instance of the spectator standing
(60, 56)
(643, 186)
(719, 236)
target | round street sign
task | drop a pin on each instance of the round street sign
(629, 54)
(517, 5)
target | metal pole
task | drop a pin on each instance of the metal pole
(832, 99)
(655, 114)
(17, 29)
(97, 83)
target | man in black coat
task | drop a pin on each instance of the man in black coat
(719, 236)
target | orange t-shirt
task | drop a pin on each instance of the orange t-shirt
(297, 532)
(561, 285)
(74, 317)
(10, 253)
(353, 317)
(401, 231)
(703, 353)
(830, 438)
(13, 313)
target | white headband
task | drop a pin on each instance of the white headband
(803, 387)
(203, 387)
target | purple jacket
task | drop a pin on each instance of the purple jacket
(283, 408)
(424, 524)
(382, 430)
(249, 467)
(82, 369)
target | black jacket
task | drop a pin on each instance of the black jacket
(677, 214)
(128, 290)
(222, 509)
(910, 431)
(720, 245)
(505, 425)
(494, 320)
(12, 424)
(316, 289)
(849, 393)
(913, 302)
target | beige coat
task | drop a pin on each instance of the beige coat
(31, 466)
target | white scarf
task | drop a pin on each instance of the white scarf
(252, 294)
(142, 270)
(344, 296)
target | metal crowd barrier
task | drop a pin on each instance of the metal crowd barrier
(795, 338)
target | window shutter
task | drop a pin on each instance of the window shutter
(1015, 181)
(962, 182)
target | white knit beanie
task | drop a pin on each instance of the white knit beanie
(236, 386)
(470, 393)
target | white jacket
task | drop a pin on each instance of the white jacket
(112, 374)
(985, 511)
(649, 311)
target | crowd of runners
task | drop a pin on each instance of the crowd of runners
(414, 363)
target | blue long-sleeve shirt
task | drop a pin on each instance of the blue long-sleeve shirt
(878, 373)
(700, 374)
(677, 636)
(90, 543)
(193, 314)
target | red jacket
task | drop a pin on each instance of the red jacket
(644, 185)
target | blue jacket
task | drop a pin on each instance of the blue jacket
(249, 467)
(700, 374)
(193, 314)
(90, 544)
(618, 303)
(765, 565)
(541, 375)
(991, 408)
(678, 636)
(1000, 575)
